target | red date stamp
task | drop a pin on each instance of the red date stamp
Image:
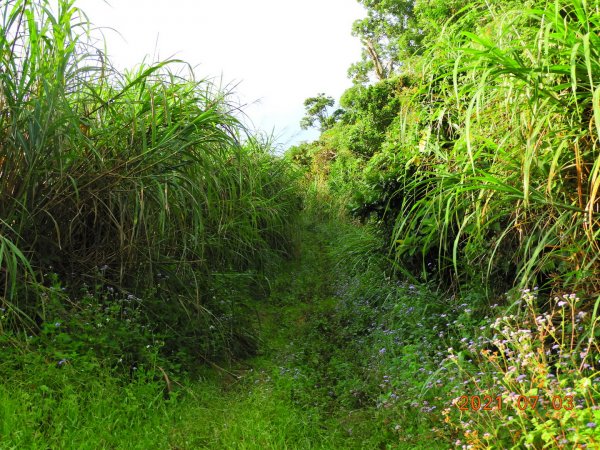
(521, 402)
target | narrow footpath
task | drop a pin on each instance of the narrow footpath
(258, 404)
(302, 391)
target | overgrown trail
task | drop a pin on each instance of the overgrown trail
(259, 403)
(312, 385)
(315, 382)
(140, 217)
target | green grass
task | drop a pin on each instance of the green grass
(307, 388)
(348, 357)
(507, 182)
(159, 288)
(61, 408)
(80, 404)
(144, 184)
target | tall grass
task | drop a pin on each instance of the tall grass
(508, 173)
(144, 181)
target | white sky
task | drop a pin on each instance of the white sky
(277, 52)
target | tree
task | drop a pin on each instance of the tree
(317, 110)
(394, 30)
(386, 33)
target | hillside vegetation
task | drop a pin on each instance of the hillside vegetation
(424, 275)
(479, 155)
(469, 141)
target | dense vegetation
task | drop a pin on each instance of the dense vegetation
(479, 155)
(166, 281)
(135, 193)
(470, 143)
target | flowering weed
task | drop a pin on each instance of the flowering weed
(540, 366)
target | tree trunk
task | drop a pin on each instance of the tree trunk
(380, 72)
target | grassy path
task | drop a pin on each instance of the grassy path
(315, 384)
(259, 404)
(348, 359)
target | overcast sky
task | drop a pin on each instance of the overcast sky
(277, 52)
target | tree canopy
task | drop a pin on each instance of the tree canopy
(317, 112)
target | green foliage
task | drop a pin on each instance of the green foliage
(480, 158)
(317, 111)
(479, 163)
(400, 356)
(394, 31)
(509, 167)
(369, 111)
(143, 182)
(63, 407)
(139, 221)
(387, 32)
